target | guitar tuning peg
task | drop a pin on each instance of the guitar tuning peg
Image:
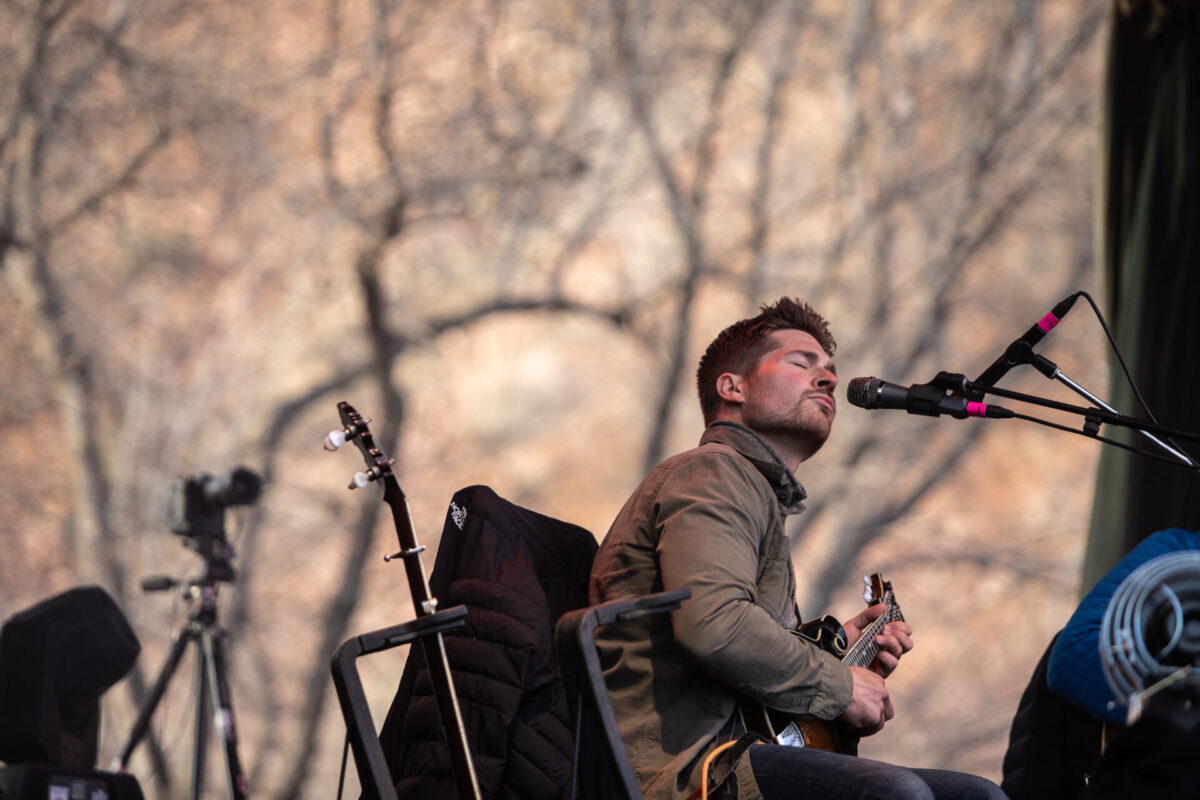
(361, 479)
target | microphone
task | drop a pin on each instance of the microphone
(920, 398)
(1018, 352)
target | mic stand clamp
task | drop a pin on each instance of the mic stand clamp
(954, 382)
(926, 399)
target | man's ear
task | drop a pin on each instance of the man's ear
(729, 388)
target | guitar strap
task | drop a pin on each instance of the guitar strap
(719, 778)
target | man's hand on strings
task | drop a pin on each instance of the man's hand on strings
(870, 704)
(894, 640)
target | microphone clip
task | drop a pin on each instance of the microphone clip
(929, 400)
(954, 382)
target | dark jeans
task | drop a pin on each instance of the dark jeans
(801, 773)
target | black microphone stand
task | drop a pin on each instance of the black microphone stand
(1093, 417)
(1025, 355)
(1021, 352)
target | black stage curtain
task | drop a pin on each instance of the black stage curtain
(1150, 218)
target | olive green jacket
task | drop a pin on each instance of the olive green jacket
(711, 519)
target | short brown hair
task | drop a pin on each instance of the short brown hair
(738, 348)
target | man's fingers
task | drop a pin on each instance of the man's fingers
(901, 632)
(895, 639)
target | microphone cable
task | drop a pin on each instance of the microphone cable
(1137, 393)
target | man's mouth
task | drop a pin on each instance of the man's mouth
(824, 399)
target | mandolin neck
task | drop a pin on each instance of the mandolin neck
(863, 652)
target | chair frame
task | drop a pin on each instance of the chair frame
(575, 642)
(369, 759)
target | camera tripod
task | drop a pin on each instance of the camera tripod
(197, 509)
(202, 630)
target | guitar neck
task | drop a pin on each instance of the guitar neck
(863, 652)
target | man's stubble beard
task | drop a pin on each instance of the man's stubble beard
(807, 429)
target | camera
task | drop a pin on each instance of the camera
(198, 503)
(197, 511)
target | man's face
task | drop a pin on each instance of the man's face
(790, 392)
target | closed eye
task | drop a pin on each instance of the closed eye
(808, 360)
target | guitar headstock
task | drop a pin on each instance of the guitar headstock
(355, 429)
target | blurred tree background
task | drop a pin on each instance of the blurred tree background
(506, 229)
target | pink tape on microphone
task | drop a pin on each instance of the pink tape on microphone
(976, 409)
(1047, 322)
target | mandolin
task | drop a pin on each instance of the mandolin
(827, 633)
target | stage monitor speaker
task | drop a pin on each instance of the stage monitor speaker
(56, 782)
(56, 659)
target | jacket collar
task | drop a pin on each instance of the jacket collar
(789, 491)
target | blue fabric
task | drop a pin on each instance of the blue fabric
(789, 773)
(1074, 671)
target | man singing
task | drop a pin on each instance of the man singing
(712, 519)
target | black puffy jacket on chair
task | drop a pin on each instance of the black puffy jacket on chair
(517, 572)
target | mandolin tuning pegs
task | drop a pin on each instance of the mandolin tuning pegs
(334, 440)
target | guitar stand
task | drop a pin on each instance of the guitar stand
(202, 630)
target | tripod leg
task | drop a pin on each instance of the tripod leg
(214, 658)
(142, 724)
(200, 724)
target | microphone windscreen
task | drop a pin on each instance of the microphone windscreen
(863, 392)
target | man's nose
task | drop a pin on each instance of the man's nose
(828, 380)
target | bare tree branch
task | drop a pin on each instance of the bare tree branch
(122, 180)
(385, 349)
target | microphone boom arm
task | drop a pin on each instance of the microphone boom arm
(1022, 353)
(959, 383)
(1183, 457)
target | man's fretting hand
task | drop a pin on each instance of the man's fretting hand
(894, 641)
(870, 704)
